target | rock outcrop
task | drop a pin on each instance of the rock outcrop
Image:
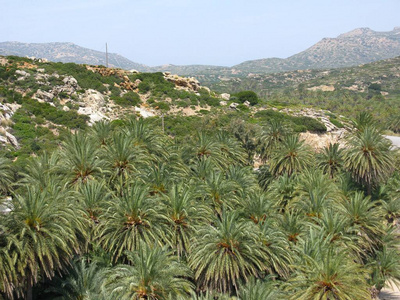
(6, 137)
(185, 83)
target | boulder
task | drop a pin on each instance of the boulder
(70, 81)
(246, 103)
(226, 96)
(23, 74)
(45, 96)
(223, 103)
(93, 98)
(12, 139)
(234, 105)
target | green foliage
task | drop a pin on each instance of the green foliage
(69, 118)
(249, 96)
(336, 122)
(86, 78)
(128, 99)
(298, 124)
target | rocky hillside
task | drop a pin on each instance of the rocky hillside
(41, 101)
(68, 52)
(359, 46)
(382, 76)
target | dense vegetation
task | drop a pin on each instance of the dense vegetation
(123, 211)
(371, 87)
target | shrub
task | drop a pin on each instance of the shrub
(161, 105)
(336, 122)
(247, 96)
(309, 123)
(128, 99)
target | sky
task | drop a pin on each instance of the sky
(182, 32)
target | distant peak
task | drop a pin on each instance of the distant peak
(356, 32)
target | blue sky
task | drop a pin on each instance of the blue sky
(217, 32)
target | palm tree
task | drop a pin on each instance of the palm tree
(260, 289)
(219, 191)
(226, 253)
(256, 206)
(363, 120)
(243, 177)
(248, 136)
(276, 249)
(83, 281)
(291, 156)
(205, 146)
(385, 267)
(368, 158)
(101, 132)
(282, 191)
(5, 175)
(42, 171)
(81, 158)
(230, 148)
(144, 136)
(9, 249)
(182, 212)
(292, 224)
(315, 192)
(330, 159)
(365, 216)
(153, 273)
(122, 158)
(92, 198)
(331, 275)
(273, 134)
(130, 220)
(39, 218)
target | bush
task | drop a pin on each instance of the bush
(336, 122)
(128, 99)
(247, 96)
(69, 119)
(161, 105)
(309, 123)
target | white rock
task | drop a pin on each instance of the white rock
(65, 108)
(71, 81)
(226, 96)
(246, 103)
(22, 73)
(42, 95)
(222, 103)
(233, 105)
(144, 113)
(12, 139)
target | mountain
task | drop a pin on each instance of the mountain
(358, 46)
(68, 52)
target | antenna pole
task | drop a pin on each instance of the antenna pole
(106, 56)
(162, 122)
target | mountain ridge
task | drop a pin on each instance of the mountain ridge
(358, 46)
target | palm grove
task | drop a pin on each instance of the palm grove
(122, 211)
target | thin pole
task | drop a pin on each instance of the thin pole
(106, 56)
(162, 122)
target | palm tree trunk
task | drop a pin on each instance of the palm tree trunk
(29, 287)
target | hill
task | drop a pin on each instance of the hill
(41, 101)
(358, 46)
(68, 52)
